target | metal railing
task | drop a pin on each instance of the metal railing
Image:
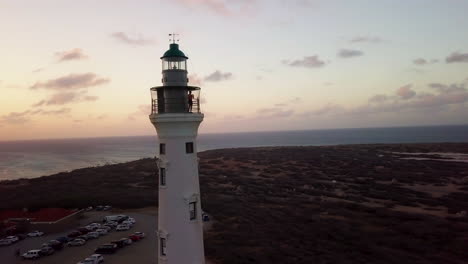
(174, 105)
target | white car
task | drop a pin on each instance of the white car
(36, 234)
(131, 220)
(32, 254)
(93, 234)
(87, 261)
(76, 242)
(12, 238)
(98, 258)
(126, 222)
(5, 242)
(122, 227)
(140, 234)
(108, 228)
(101, 231)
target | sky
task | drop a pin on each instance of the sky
(84, 68)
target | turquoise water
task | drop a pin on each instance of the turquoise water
(29, 159)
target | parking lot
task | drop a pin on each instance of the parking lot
(143, 251)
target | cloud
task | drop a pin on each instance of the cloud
(405, 92)
(18, 118)
(457, 57)
(328, 109)
(69, 55)
(221, 7)
(446, 89)
(366, 39)
(349, 53)
(71, 82)
(378, 98)
(194, 79)
(306, 62)
(274, 112)
(65, 98)
(15, 118)
(138, 40)
(218, 76)
(142, 111)
(422, 61)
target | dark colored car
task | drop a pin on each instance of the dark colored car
(74, 234)
(46, 251)
(63, 239)
(55, 244)
(99, 208)
(120, 243)
(134, 237)
(106, 249)
(21, 236)
(83, 230)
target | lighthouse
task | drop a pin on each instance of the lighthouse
(175, 113)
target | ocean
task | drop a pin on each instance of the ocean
(35, 158)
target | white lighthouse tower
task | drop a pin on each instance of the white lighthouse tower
(176, 116)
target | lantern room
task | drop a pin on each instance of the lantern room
(175, 96)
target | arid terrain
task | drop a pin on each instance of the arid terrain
(333, 204)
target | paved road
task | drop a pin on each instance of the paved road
(143, 251)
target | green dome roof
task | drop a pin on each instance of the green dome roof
(174, 51)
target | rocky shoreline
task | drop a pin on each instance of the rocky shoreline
(385, 203)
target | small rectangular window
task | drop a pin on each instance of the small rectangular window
(162, 176)
(162, 149)
(193, 210)
(189, 147)
(163, 246)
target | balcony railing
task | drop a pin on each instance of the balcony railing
(174, 105)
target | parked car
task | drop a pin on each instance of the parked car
(112, 224)
(55, 244)
(122, 227)
(99, 208)
(32, 254)
(63, 239)
(46, 251)
(126, 222)
(76, 242)
(87, 261)
(134, 237)
(89, 208)
(106, 227)
(93, 226)
(21, 236)
(35, 234)
(127, 241)
(12, 238)
(101, 231)
(120, 243)
(5, 242)
(83, 230)
(74, 234)
(98, 258)
(107, 208)
(131, 220)
(140, 234)
(106, 249)
(93, 235)
(84, 237)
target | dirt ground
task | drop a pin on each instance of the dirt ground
(143, 251)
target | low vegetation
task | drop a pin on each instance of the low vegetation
(333, 204)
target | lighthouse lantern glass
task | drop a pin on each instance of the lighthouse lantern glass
(174, 64)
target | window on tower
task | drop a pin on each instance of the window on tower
(189, 147)
(162, 149)
(162, 176)
(162, 246)
(193, 210)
